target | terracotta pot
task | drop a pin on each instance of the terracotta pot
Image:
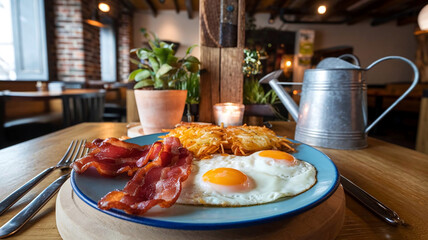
(159, 109)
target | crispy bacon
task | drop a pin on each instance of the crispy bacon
(112, 157)
(157, 183)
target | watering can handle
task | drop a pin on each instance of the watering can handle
(352, 56)
(415, 81)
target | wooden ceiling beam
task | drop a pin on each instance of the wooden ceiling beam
(407, 11)
(297, 4)
(177, 8)
(364, 11)
(189, 7)
(339, 8)
(152, 7)
(394, 16)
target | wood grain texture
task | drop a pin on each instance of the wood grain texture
(223, 79)
(209, 23)
(395, 175)
(210, 82)
(131, 107)
(232, 78)
(75, 218)
(422, 56)
(241, 24)
(422, 134)
(21, 162)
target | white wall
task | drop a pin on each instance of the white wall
(169, 25)
(370, 43)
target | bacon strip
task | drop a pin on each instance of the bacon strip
(112, 157)
(157, 183)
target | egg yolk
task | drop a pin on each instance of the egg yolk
(278, 155)
(227, 180)
(225, 176)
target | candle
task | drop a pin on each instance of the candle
(230, 114)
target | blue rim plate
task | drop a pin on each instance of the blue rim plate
(90, 187)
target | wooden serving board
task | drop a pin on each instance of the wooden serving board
(77, 220)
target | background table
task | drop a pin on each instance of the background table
(395, 175)
(78, 105)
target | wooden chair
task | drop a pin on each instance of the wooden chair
(83, 108)
(422, 137)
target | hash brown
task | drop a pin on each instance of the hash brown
(204, 140)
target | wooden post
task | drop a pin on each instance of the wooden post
(222, 40)
(422, 55)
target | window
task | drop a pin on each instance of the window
(108, 52)
(23, 51)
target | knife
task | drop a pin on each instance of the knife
(371, 203)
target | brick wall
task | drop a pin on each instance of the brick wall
(91, 43)
(75, 45)
(124, 46)
(69, 42)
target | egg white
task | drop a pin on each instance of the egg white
(272, 179)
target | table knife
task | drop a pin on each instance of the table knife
(370, 202)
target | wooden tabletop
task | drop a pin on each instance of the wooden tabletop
(395, 175)
(39, 95)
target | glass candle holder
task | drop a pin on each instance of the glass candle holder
(230, 114)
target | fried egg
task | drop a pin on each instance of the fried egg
(261, 177)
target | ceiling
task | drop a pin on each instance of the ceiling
(305, 11)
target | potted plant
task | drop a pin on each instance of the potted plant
(192, 85)
(258, 102)
(160, 103)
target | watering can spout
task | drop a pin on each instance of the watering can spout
(285, 98)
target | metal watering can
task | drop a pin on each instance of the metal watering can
(333, 104)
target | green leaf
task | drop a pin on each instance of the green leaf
(191, 67)
(189, 50)
(144, 53)
(162, 54)
(167, 46)
(134, 61)
(172, 83)
(143, 74)
(172, 60)
(192, 86)
(160, 84)
(133, 73)
(154, 63)
(193, 59)
(144, 83)
(163, 70)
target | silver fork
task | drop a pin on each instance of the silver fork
(20, 219)
(65, 162)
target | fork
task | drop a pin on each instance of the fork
(20, 219)
(64, 163)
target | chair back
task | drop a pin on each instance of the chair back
(88, 107)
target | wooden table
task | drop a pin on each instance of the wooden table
(395, 175)
(67, 96)
(43, 95)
